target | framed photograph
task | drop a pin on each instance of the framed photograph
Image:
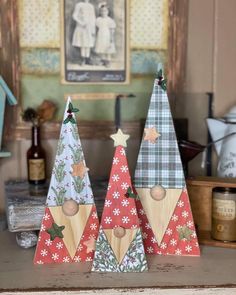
(94, 43)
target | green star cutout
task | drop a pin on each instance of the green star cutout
(55, 231)
(184, 233)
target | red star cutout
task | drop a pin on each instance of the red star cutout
(151, 134)
(90, 244)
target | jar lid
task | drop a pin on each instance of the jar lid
(225, 189)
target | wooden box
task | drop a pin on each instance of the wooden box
(200, 194)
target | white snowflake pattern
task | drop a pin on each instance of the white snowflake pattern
(93, 226)
(39, 262)
(80, 248)
(180, 204)
(46, 216)
(133, 211)
(125, 219)
(77, 258)
(55, 256)
(122, 152)
(174, 217)
(194, 235)
(169, 231)
(125, 203)
(133, 226)
(141, 211)
(178, 252)
(144, 235)
(43, 227)
(190, 223)
(150, 250)
(178, 227)
(109, 187)
(188, 248)
(159, 252)
(94, 215)
(115, 177)
(153, 240)
(173, 242)
(147, 226)
(163, 245)
(124, 185)
(108, 220)
(115, 161)
(124, 169)
(116, 195)
(44, 252)
(66, 259)
(39, 238)
(185, 214)
(48, 242)
(59, 245)
(108, 203)
(88, 259)
(116, 211)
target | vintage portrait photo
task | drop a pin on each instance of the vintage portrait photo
(94, 41)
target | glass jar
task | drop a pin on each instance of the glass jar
(224, 214)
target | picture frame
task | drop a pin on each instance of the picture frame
(95, 52)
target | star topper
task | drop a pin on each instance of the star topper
(120, 138)
(151, 134)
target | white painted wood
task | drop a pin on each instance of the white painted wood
(216, 268)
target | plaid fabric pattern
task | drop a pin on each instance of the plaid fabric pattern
(159, 163)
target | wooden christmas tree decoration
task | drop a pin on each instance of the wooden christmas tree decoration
(163, 206)
(70, 224)
(119, 247)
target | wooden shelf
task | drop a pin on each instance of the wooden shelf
(204, 238)
(212, 273)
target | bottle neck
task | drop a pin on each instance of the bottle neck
(35, 136)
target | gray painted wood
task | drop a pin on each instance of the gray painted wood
(216, 268)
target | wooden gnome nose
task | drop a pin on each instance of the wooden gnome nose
(70, 207)
(158, 192)
(119, 232)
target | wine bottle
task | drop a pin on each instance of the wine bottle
(36, 159)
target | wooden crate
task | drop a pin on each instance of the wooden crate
(200, 194)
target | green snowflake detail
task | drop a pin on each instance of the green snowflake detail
(185, 233)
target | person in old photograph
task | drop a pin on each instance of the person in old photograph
(85, 29)
(105, 38)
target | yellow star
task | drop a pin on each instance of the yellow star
(151, 134)
(120, 138)
(90, 244)
(79, 169)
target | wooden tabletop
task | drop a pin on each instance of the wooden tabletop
(216, 268)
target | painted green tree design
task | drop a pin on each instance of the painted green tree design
(78, 184)
(59, 195)
(60, 146)
(75, 132)
(59, 171)
(77, 154)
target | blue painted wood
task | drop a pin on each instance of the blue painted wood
(10, 96)
(4, 154)
(2, 109)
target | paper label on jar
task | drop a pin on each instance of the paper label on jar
(36, 169)
(223, 209)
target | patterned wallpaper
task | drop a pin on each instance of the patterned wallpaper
(40, 23)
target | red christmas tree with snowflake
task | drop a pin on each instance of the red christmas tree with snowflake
(119, 247)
